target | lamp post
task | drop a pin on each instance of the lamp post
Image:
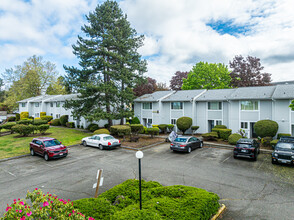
(130, 120)
(139, 155)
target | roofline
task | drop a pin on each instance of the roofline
(164, 97)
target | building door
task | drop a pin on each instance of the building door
(210, 125)
(292, 131)
(252, 132)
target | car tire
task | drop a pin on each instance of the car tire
(100, 147)
(46, 157)
(255, 157)
(235, 157)
(32, 152)
(189, 150)
(84, 143)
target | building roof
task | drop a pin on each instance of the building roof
(284, 92)
(183, 95)
(216, 95)
(50, 98)
(256, 92)
(154, 97)
(31, 99)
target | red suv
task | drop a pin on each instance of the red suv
(49, 148)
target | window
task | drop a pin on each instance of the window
(37, 115)
(51, 114)
(249, 105)
(173, 121)
(176, 105)
(51, 104)
(218, 122)
(57, 104)
(244, 125)
(57, 115)
(214, 106)
(147, 105)
(147, 122)
(37, 104)
(23, 104)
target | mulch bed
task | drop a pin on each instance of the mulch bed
(142, 142)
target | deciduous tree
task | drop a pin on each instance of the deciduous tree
(176, 82)
(148, 86)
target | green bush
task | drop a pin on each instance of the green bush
(266, 128)
(17, 117)
(102, 131)
(93, 127)
(220, 126)
(22, 129)
(42, 114)
(136, 128)
(159, 202)
(47, 118)
(283, 135)
(184, 123)
(39, 122)
(11, 118)
(266, 141)
(274, 142)
(55, 122)
(163, 128)
(154, 126)
(211, 136)
(63, 120)
(43, 128)
(233, 138)
(25, 121)
(194, 128)
(24, 115)
(170, 127)
(8, 125)
(224, 133)
(120, 130)
(135, 120)
(144, 130)
(70, 124)
(153, 131)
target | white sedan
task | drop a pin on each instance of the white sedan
(103, 141)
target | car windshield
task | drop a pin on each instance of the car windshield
(107, 138)
(51, 143)
(180, 139)
(284, 146)
(244, 145)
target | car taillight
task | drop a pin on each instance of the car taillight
(109, 143)
(182, 145)
(252, 149)
(172, 144)
(118, 141)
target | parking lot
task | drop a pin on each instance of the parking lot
(250, 190)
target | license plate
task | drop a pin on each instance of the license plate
(284, 161)
(244, 151)
(61, 154)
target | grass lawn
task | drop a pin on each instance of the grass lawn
(14, 145)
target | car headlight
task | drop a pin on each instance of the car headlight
(49, 151)
(275, 154)
(292, 156)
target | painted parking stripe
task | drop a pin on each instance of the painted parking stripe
(6, 171)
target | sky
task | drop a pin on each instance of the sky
(178, 33)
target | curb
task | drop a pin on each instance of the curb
(220, 211)
(143, 148)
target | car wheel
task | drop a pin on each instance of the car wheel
(255, 157)
(46, 157)
(235, 157)
(32, 152)
(189, 149)
(85, 143)
(100, 147)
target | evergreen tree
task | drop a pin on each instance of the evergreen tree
(110, 65)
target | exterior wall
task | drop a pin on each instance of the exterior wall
(282, 115)
(234, 111)
(23, 109)
(226, 114)
(266, 110)
(165, 113)
(137, 110)
(201, 118)
(156, 119)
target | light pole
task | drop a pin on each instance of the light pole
(139, 155)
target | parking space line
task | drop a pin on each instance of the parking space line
(226, 159)
(9, 172)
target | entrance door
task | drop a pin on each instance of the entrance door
(252, 132)
(210, 125)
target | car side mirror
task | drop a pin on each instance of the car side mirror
(42, 145)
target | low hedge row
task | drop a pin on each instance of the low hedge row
(25, 130)
(102, 131)
(211, 136)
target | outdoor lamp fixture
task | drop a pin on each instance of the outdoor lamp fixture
(130, 120)
(139, 155)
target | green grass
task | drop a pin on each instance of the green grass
(158, 202)
(14, 145)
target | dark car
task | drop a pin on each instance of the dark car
(246, 147)
(186, 144)
(284, 151)
(47, 147)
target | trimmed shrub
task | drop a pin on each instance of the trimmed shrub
(11, 118)
(135, 120)
(55, 122)
(70, 124)
(24, 115)
(47, 118)
(37, 118)
(220, 126)
(144, 130)
(25, 121)
(17, 117)
(211, 136)
(63, 120)
(274, 142)
(194, 128)
(283, 135)
(102, 131)
(120, 130)
(22, 129)
(163, 127)
(106, 126)
(154, 126)
(153, 131)
(43, 128)
(170, 127)
(39, 122)
(266, 128)
(184, 123)
(233, 138)
(224, 133)
(8, 125)
(266, 141)
(93, 127)
(42, 114)
(136, 128)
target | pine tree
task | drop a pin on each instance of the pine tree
(110, 65)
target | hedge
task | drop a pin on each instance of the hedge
(42, 114)
(55, 122)
(233, 138)
(17, 117)
(47, 118)
(194, 128)
(266, 128)
(283, 135)
(210, 136)
(70, 124)
(224, 133)
(8, 125)
(135, 120)
(266, 141)
(11, 118)
(159, 202)
(22, 129)
(220, 126)
(153, 131)
(274, 142)
(63, 120)
(120, 130)
(25, 121)
(136, 128)
(184, 123)
(24, 115)
(43, 128)
(93, 127)
(39, 122)
(102, 131)
(163, 127)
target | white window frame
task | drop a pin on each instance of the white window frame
(57, 104)
(57, 116)
(147, 121)
(171, 121)
(37, 115)
(241, 102)
(150, 106)
(220, 106)
(37, 104)
(23, 104)
(177, 109)
(51, 105)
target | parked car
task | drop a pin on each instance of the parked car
(47, 147)
(186, 144)
(284, 151)
(246, 148)
(103, 141)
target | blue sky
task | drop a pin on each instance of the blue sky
(178, 33)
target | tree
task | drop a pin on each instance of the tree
(28, 80)
(161, 87)
(148, 86)
(176, 82)
(110, 65)
(207, 76)
(247, 72)
(2, 92)
(57, 87)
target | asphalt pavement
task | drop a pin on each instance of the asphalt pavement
(250, 190)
